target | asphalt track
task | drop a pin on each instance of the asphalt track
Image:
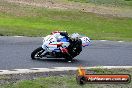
(15, 54)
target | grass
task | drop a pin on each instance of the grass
(37, 21)
(69, 81)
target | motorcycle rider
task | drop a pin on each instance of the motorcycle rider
(60, 45)
(68, 44)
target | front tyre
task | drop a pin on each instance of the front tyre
(37, 53)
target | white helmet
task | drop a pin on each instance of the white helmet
(75, 35)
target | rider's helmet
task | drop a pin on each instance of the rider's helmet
(75, 36)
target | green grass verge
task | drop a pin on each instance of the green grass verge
(36, 21)
(69, 81)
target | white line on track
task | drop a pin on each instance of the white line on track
(54, 69)
(18, 36)
(120, 41)
(103, 40)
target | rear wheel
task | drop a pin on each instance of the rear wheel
(37, 53)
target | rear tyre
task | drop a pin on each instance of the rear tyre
(37, 53)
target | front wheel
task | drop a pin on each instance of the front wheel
(37, 53)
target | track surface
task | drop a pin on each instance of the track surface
(15, 54)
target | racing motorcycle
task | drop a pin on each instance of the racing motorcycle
(67, 48)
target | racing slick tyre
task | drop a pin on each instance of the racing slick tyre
(37, 53)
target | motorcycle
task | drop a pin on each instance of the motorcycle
(68, 50)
